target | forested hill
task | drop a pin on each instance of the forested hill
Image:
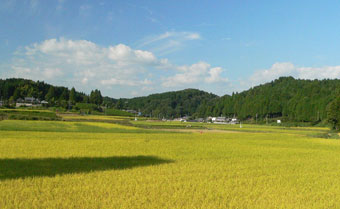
(286, 97)
(293, 99)
(169, 104)
(16, 88)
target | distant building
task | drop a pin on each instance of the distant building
(182, 119)
(28, 102)
(29, 99)
(200, 120)
(222, 120)
(233, 121)
(1, 103)
(132, 111)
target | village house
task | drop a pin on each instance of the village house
(220, 120)
(30, 102)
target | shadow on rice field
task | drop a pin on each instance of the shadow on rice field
(50, 167)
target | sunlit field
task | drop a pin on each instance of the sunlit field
(76, 164)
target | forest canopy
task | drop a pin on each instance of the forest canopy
(286, 97)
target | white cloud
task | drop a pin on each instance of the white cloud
(114, 81)
(37, 72)
(119, 68)
(215, 76)
(276, 70)
(197, 73)
(192, 36)
(134, 93)
(169, 41)
(50, 73)
(123, 53)
(289, 69)
(331, 72)
(85, 63)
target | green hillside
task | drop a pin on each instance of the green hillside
(292, 99)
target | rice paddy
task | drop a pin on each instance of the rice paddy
(88, 164)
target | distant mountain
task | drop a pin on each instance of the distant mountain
(169, 104)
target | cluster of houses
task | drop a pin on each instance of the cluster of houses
(30, 102)
(27, 102)
(217, 120)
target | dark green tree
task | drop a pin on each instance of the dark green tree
(50, 96)
(72, 97)
(333, 113)
(96, 97)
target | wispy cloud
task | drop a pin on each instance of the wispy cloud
(168, 42)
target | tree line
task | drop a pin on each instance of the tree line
(13, 89)
(287, 98)
(292, 99)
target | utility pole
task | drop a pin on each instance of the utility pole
(256, 118)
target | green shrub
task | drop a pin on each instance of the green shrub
(115, 112)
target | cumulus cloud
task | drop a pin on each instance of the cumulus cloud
(331, 72)
(85, 63)
(52, 73)
(122, 53)
(86, 66)
(289, 69)
(215, 75)
(276, 70)
(196, 73)
(114, 81)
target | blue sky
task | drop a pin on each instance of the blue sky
(135, 48)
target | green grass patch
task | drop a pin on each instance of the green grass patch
(28, 114)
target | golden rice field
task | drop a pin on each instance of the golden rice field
(56, 164)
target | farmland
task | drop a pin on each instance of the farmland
(94, 162)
